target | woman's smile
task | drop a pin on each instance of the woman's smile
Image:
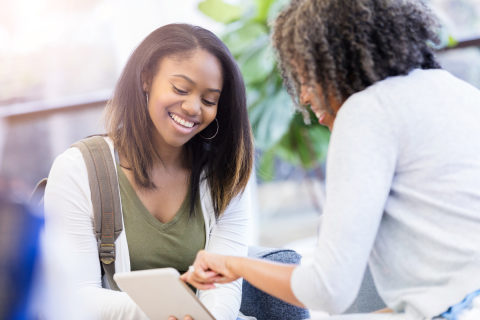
(182, 123)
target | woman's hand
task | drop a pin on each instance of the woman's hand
(209, 268)
(273, 278)
(186, 318)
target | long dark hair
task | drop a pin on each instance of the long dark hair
(347, 45)
(225, 161)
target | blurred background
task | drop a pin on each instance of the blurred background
(59, 60)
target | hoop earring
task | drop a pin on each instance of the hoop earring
(214, 134)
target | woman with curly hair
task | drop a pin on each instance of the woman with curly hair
(403, 168)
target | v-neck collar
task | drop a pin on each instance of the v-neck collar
(132, 195)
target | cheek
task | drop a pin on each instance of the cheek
(329, 120)
(157, 106)
(209, 114)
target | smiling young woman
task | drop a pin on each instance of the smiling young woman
(186, 72)
(178, 123)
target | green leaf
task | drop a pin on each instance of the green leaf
(220, 11)
(241, 39)
(263, 7)
(304, 145)
(258, 63)
(275, 9)
(270, 119)
(451, 42)
(266, 169)
(319, 136)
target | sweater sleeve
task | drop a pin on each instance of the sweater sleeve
(229, 236)
(69, 221)
(360, 168)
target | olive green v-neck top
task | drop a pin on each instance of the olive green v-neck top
(153, 244)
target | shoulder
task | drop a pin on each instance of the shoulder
(361, 108)
(69, 173)
(365, 117)
(69, 161)
(393, 98)
(72, 160)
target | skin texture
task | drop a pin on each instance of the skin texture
(189, 88)
(273, 278)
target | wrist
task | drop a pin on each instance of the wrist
(231, 263)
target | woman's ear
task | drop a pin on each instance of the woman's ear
(146, 80)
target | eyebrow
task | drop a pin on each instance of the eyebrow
(193, 82)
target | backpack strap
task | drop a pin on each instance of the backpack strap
(102, 178)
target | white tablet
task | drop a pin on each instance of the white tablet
(160, 294)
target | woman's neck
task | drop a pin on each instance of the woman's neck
(170, 157)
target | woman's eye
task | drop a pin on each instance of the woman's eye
(210, 103)
(179, 91)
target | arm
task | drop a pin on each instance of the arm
(273, 278)
(360, 169)
(229, 236)
(69, 220)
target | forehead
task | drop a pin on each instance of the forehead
(200, 66)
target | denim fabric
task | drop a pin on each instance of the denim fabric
(263, 306)
(367, 299)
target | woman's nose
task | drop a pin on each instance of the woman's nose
(192, 106)
(305, 96)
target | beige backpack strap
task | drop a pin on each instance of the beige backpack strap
(102, 178)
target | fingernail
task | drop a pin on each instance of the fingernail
(317, 114)
(172, 318)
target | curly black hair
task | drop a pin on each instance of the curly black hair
(347, 45)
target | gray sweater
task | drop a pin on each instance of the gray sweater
(403, 194)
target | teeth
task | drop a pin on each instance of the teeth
(181, 121)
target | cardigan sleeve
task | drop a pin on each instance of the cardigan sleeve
(360, 168)
(229, 236)
(69, 221)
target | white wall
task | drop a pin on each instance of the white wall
(132, 21)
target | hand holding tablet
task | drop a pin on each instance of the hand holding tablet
(162, 295)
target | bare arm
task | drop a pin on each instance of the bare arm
(272, 278)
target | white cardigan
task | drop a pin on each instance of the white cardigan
(403, 192)
(69, 215)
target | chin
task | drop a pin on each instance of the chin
(175, 142)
